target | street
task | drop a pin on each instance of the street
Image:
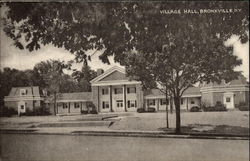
(29, 147)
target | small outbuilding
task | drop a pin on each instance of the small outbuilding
(23, 99)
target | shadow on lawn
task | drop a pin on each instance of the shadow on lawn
(207, 129)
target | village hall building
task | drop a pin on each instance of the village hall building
(112, 91)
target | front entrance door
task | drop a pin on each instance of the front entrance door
(21, 107)
(228, 100)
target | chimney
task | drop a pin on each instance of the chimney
(99, 71)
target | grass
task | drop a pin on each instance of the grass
(233, 122)
(212, 130)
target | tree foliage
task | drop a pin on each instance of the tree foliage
(186, 47)
(117, 28)
(84, 77)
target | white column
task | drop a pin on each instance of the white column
(110, 99)
(124, 97)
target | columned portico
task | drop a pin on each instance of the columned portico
(114, 92)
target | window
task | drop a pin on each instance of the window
(105, 104)
(163, 101)
(77, 104)
(118, 91)
(23, 92)
(131, 90)
(65, 105)
(22, 107)
(192, 102)
(182, 101)
(59, 104)
(105, 91)
(228, 99)
(152, 102)
(119, 103)
(132, 103)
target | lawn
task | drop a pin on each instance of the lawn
(230, 122)
(234, 122)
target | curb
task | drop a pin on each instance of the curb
(153, 134)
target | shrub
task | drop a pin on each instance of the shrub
(243, 106)
(140, 110)
(220, 107)
(195, 109)
(151, 109)
(93, 111)
(84, 111)
(209, 108)
(7, 112)
(37, 111)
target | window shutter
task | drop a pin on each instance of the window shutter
(128, 104)
(135, 89)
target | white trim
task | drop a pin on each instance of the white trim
(115, 82)
(163, 96)
(108, 72)
(155, 97)
(23, 99)
(191, 95)
(232, 88)
(71, 101)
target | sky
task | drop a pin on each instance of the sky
(12, 57)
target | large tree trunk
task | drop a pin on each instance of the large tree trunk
(54, 103)
(171, 104)
(178, 114)
(167, 110)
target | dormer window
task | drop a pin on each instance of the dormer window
(227, 83)
(23, 92)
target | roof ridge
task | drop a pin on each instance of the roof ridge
(107, 72)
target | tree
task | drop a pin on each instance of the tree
(190, 39)
(52, 73)
(84, 77)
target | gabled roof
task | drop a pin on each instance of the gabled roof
(192, 91)
(75, 97)
(108, 72)
(30, 91)
(156, 93)
(241, 80)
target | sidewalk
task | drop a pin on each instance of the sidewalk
(104, 131)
